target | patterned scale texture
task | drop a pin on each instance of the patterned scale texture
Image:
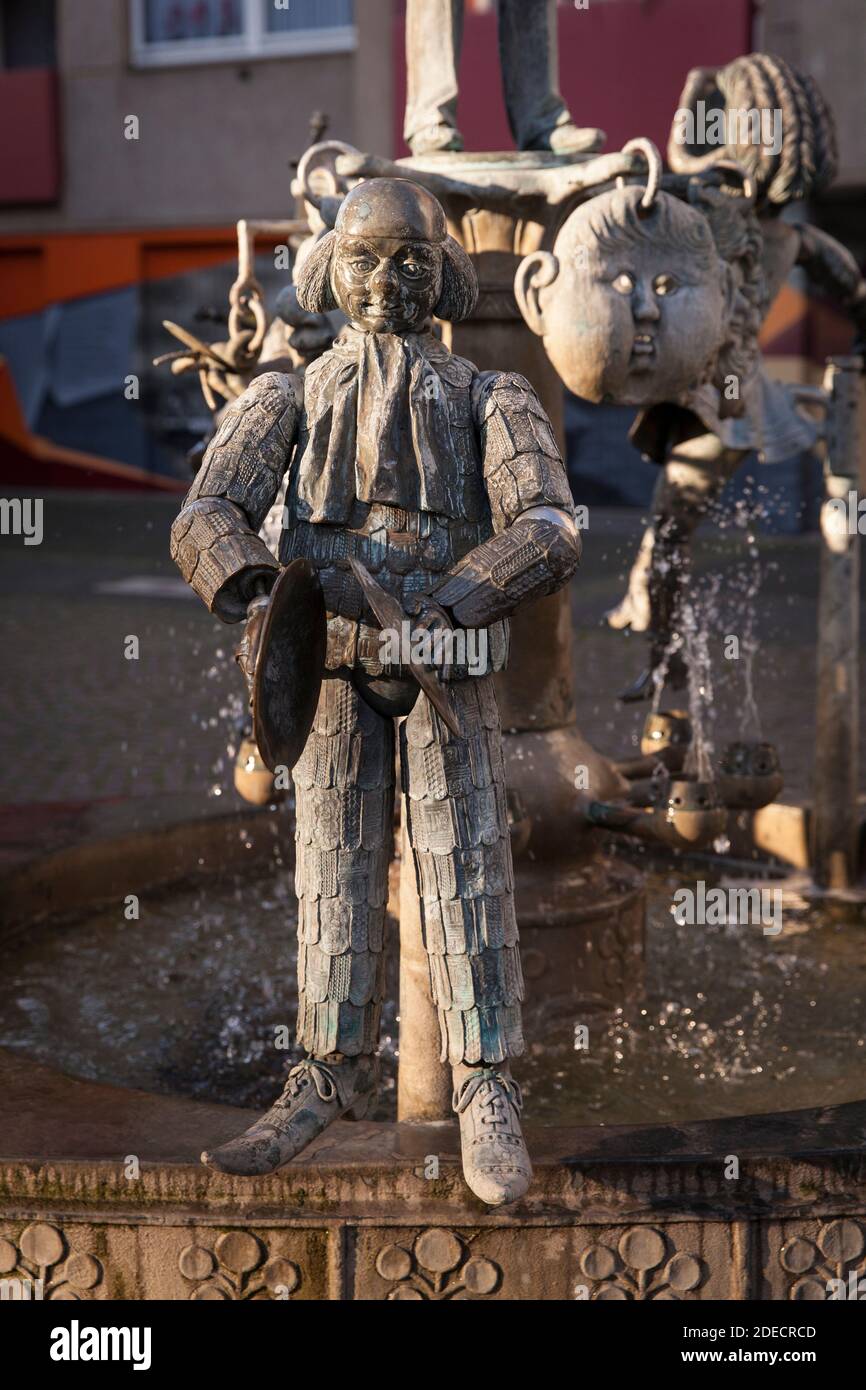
(458, 829)
(523, 467)
(344, 789)
(215, 535)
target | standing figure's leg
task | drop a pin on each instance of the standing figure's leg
(434, 31)
(458, 829)
(537, 114)
(344, 788)
(691, 481)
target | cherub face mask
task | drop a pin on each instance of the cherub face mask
(633, 304)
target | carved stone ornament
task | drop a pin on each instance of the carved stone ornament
(837, 1253)
(237, 1268)
(640, 1268)
(42, 1261)
(438, 1266)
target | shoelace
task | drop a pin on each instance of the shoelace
(309, 1070)
(504, 1089)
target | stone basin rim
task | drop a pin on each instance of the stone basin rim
(71, 1100)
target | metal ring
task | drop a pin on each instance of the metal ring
(329, 148)
(640, 145)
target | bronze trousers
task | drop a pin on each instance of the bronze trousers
(528, 55)
(454, 790)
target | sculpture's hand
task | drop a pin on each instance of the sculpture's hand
(429, 618)
(247, 651)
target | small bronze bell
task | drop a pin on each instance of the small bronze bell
(253, 781)
(749, 775)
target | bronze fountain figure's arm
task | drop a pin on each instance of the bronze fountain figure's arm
(536, 546)
(831, 267)
(214, 538)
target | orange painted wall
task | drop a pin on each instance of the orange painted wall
(36, 271)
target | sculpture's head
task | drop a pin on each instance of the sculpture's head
(768, 116)
(389, 263)
(634, 303)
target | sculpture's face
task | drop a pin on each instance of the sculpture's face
(630, 318)
(386, 284)
(635, 326)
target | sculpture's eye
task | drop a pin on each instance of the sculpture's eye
(363, 265)
(665, 284)
(624, 283)
(412, 270)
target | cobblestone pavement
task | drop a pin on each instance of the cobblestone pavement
(78, 720)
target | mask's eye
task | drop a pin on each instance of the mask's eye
(413, 267)
(665, 284)
(624, 283)
(362, 265)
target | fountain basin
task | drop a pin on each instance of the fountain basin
(622, 1213)
(103, 1190)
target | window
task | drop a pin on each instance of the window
(27, 34)
(209, 31)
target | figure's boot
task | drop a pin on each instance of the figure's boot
(435, 138)
(537, 114)
(316, 1093)
(488, 1103)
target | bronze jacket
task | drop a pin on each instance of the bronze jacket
(398, 453)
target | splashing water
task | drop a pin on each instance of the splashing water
(194, 1003)
(743, 590)
(695, 626)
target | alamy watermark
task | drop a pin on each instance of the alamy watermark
(853, 1292)
(741, 907)
(77, 1343)
(846, 515)
(442, 647)
(22, 516)
(735, 126)
(18, 1290)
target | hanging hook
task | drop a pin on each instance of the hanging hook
(640, 145)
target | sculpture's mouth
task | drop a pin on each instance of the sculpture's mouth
(383, 309)
(644, 345)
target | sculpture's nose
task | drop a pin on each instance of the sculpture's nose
(384, 278)
(644, 304)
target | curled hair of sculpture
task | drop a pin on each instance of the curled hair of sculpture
(614, 216)
(807, 159)
(459, 282)
(737, 235)
(313, 281)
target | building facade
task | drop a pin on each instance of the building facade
(142, 129)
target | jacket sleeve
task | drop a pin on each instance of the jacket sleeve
(214, 539)
(536, 545)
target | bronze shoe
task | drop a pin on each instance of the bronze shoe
(434, 138)
(315, 1094)
(569, 138)
(496, 1163)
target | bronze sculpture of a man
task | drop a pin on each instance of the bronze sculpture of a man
(447, 484)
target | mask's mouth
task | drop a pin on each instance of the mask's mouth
(644, 345)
